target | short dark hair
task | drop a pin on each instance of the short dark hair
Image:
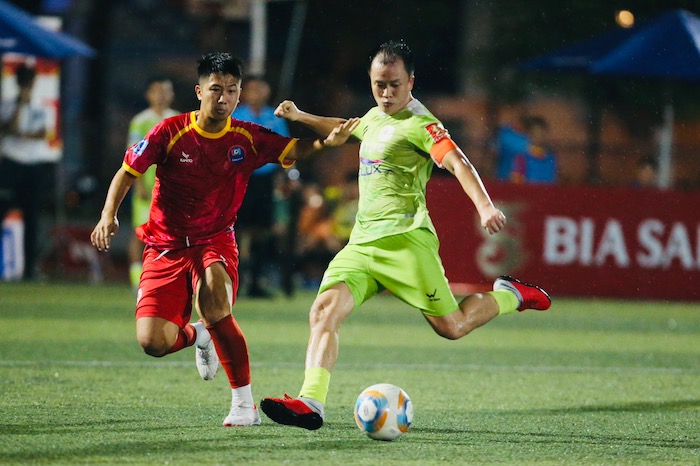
(220, 62)
(25, 75)
(391, 51)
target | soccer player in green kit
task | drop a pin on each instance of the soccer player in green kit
(159, 94)
(393, 245)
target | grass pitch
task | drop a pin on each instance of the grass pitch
(589, 382)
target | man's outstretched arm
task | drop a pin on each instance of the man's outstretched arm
(336, 137)
(320, 124)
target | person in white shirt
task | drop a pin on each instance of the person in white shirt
(26, 161)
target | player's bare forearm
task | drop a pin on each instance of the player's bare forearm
(492, 219)
(321, 125)
(106, 228)
(120, 185)
(336, 137)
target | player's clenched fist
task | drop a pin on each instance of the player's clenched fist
(288, 110)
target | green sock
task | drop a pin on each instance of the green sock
(507, 301)
(316, 382)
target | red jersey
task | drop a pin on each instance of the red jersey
(201, 177)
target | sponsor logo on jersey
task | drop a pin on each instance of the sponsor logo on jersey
(371, 166)
(186, 158)
(236, 154)
(386, 133)
(437, 132)
(369, 150)
(139, 147)
(364, 161)
(431, 296)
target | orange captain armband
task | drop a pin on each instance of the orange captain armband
(438, 151)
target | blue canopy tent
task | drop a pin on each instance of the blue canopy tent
(20, 33)
(667, 48)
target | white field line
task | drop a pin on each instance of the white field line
(402, 366)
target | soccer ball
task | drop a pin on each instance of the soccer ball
(383, 412)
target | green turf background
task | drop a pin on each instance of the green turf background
(594, 382)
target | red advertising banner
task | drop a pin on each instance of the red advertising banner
(574, 241)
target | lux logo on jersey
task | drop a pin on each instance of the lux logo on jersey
(370, 167)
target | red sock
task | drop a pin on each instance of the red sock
(185, 337)
(232, 349)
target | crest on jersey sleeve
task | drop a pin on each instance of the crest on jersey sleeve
(236, 154)
(437, 132)
(139, 147)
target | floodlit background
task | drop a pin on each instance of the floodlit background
(469, 74)
(608, 376)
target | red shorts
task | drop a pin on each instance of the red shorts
(170, 278)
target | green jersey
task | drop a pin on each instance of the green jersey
(395, 166)
(139, 126)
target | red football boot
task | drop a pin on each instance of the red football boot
(292, 412)
(529, 296)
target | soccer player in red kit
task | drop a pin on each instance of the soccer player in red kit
(203, 160)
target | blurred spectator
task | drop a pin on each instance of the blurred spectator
(287, 202)
(254, 106)
(525, 157)
(325, 221)
(510, 141)
(26, 162)
(159, 95)
(646, 173)
(256, 217)
(345, 209)
(317, 241)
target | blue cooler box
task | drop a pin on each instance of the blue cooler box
(12, 247)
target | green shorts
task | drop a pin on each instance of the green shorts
(407, 264)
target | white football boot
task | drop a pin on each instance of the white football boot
(243, 415)
(207, 360)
